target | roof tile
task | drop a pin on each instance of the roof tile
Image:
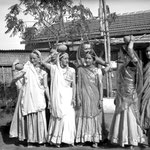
(129, 23)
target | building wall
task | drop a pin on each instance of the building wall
(8, 57)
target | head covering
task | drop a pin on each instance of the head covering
(148, 48)
(37, 52)
(63, 54)
(53, 51)
(87, 46)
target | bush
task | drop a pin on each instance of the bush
(8, 96)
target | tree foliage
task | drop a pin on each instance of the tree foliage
(14, 24)
(46, 13)
(80, 21)
(49, 18)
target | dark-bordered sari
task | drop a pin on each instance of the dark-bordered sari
(89, 92)
(125, 127)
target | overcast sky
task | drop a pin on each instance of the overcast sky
(118, 6)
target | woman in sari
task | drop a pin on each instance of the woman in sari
(125, 128)
(145, 104)
(29, 121)
(89, 101)
(62, 100)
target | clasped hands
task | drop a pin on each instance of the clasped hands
(99, 104)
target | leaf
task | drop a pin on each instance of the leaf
(111, 18)
(14, 9)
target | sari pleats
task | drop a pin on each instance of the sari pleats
(89, 116)
(124, 129)
(89, 129)
(32, 127)
(36, 123)
(62, 120)
(30, 124)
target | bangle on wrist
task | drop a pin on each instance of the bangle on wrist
(106, 63)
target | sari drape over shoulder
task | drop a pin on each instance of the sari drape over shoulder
(145, 105)
(62, 119)
(89, 116)
(58, 92)
(33, 99)
(29, 120)
(88, 92)
(126, 91)
(125, 127)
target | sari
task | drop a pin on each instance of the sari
(145, 104)
(29, 120)
(89, 116)
(62, 119)
(125, 127)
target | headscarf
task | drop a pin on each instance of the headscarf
(37, 52)
(63, 54)
(81, 52)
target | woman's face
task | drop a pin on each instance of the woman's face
(89, 60)
(126, 59)
(34, 59)
(148, 54)
(64, 60)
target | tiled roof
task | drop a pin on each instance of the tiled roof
(132, 23)
(136, 23)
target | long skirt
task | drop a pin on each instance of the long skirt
(89, 129)
(125, 130)
(31, 127)
(62, 130)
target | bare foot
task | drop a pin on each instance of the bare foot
(95, 145)
(131, 147)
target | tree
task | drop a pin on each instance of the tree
(80, 21)
(48, 16)
(46, 13)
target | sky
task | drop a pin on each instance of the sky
(118, 6)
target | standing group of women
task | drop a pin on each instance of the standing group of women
(83, 124)
(65, 125)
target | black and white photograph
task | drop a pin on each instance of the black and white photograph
(75, 74)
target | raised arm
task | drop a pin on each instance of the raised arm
(46, 65)
(51, 59)
(100, 61)
(129, 40)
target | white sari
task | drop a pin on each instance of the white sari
(33, 96)
(29, 120)
(62, 120)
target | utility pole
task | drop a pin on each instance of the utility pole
(102, 10)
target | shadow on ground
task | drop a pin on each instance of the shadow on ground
(5, 134)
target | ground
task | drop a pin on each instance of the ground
(7, 143)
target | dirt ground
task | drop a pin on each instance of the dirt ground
(7, 143)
